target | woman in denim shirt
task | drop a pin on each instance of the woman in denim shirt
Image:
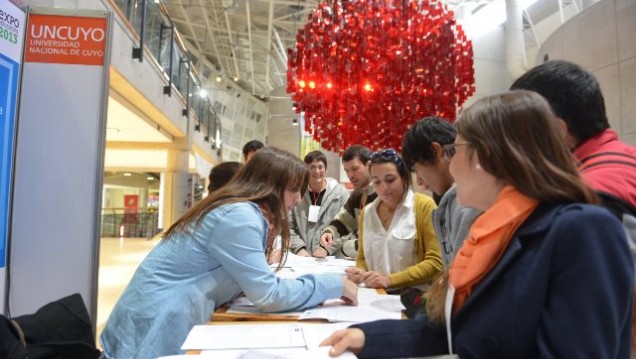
(213, 253)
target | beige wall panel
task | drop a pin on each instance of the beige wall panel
(627, 70)
(590, 37)
(608, 77)
(626, 26)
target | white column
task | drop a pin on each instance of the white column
(176, 188)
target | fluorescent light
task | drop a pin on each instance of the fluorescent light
(127, 174)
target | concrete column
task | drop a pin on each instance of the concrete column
(176, 188)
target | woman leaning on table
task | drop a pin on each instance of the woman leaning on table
(542, 273)
(210, 255)
(398, 249)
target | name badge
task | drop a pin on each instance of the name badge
(313, 213)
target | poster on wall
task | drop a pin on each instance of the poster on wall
(12, 24)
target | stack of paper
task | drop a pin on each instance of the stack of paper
(298, 265)
(371, 306)
(285, 340)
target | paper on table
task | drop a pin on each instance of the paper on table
(253, 310)
(313, 333)
(371, 306)
(296, 353)
(310, 265)
(243, 336)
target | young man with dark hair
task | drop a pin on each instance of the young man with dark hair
(607, 164)
(250, 149)
(340, 237)
(423, 152)
(320, 203)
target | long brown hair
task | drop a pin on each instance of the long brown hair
(518, 140)
(262, 180)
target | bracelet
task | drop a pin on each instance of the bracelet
(323, 247)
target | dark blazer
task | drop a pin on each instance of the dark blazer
(562, 289)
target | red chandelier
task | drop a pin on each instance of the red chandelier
(363, 71)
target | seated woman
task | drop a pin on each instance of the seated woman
(542, 273)
(397, 243)
(211, 255)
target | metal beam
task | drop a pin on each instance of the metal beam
(249, 35)
(210, 33)
(270, 25)
(233, 52)
(281, 46)
(188, 22)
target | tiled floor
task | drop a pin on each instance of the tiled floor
(119, 258)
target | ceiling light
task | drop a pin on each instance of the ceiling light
(150, 178)
(127, 174)
(236, 78)
(218, 78)
(203, 93)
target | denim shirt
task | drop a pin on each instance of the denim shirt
(186, 276)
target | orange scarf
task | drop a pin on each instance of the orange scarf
(488, 238)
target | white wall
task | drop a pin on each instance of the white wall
(281, 133)
(489, 57)
(601, 39)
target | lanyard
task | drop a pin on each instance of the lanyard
(315, 200)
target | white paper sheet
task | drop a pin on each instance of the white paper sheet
(318, 353)
(242, 336)
(371, 306)
(233, 340)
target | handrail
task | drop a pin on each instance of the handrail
(138, 52)
(176, 45)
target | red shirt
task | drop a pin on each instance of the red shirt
(608, 165)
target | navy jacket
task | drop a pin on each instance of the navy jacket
(562, 289)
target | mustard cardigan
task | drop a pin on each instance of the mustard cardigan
(428, 249)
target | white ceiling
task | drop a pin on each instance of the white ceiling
(248, 40)
(126, 125)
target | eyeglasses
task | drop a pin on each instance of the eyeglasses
(449, 150)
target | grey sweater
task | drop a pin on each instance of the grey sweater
(452, 223)
(307, 234)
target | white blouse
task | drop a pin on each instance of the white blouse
(393, 250)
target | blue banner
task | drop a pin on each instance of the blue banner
(9, 71)
(12, 21)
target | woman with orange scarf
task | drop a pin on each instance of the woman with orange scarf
(542, 273)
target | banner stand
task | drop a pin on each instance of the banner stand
(59, 167)
(12, 32)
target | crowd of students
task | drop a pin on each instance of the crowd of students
(515, 259)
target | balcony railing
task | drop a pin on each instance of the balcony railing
(123, 222)
(159, 41)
